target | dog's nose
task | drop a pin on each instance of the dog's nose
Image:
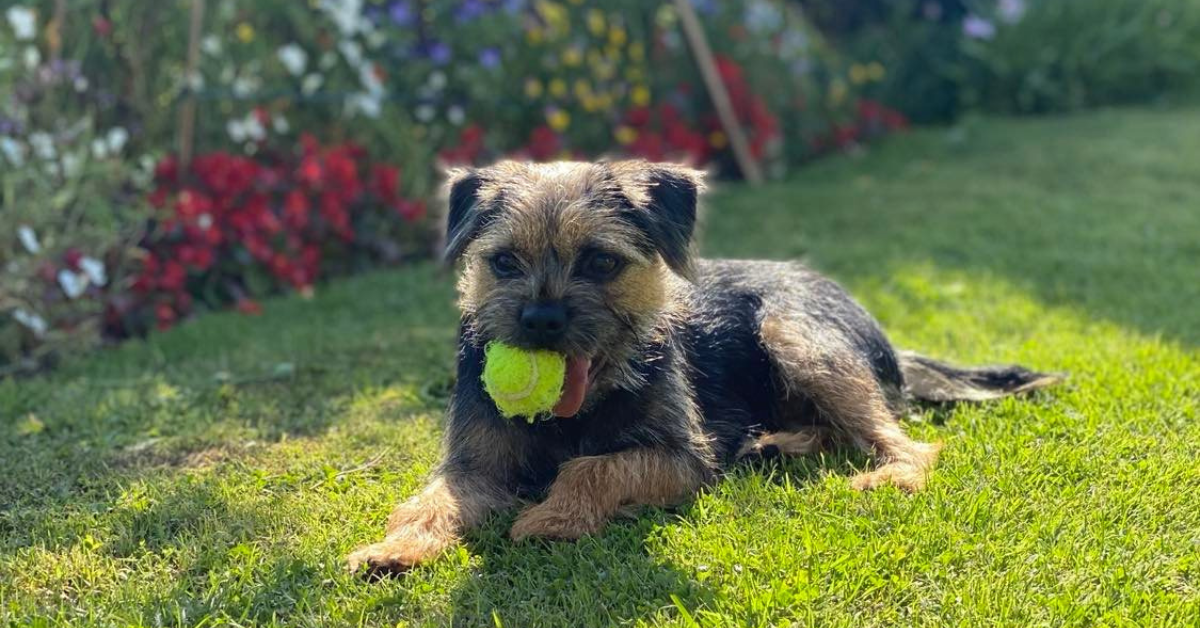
(544, 322)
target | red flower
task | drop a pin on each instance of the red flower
(165, 315)
(411, 210)
(295, 210)
(167, 170)
(544, 144)
(385, 183)
(249, 307)
(101, 26)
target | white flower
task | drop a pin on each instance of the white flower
(311, 84)
(425, 113)
(351, 51)
(14, 152)
(236, 130)
(23, 21)
(346, 14)
(94, 269)
(72, 163)
(117, 138)
(43, 145)
(437, 80)
(72, 284)
(370, 105)
(245, 85)
(211, 45)
(32, 58)
(81, 84)
(280, 125)
(99, 149)
(35, 323)
(254, 128)
(205, 221)
(328, 60)
(456, 115)
(370, 81)
(294, 58)
(29, 239)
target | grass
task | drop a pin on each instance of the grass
(219, 473)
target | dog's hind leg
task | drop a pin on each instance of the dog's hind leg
(850, 397)
(802, 442)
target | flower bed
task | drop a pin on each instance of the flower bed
(321, 128)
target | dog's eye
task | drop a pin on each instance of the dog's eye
(505, 265)
(601, 266)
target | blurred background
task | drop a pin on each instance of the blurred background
(159, 160)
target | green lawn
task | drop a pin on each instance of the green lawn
(218, 474)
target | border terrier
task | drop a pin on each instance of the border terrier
(676, 367)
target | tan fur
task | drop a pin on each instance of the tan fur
(849, 396)
(425, 525)
(591, 489)
(798, 443)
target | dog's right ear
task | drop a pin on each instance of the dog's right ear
(463, 218)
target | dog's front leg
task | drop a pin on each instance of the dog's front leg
(422, 527)
(589, 490)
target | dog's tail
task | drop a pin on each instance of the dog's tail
(927, 379)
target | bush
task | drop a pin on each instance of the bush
(1020, 56)
(1071, 54)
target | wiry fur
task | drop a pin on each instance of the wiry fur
(694, 363)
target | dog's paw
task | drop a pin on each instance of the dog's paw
(906, 477)
(390, 557)
(548, 522)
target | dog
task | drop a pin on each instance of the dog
(676, 367)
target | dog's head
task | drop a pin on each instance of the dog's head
(573, 257)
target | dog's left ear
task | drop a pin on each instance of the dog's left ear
(671, 213)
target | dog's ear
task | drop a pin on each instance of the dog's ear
(463, 216)
(668, 216)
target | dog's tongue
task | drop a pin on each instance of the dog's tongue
(574, 388)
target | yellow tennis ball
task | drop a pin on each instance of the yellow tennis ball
(523, 383)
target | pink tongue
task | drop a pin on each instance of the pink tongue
(574, 388)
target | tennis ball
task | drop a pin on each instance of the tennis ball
(523, 383)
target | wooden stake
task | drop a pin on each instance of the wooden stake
(187, 112)
(702, 52)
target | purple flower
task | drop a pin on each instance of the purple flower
(513, 7)
(705, 7)
(438, 52)
(469, 10)
(489, 57)
(401, 13)
(1011, 11)
(976, 27)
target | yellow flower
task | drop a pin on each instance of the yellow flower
(612, 53)
(596, 22)
(535, 35)
(637, 51)
(558, 120)
(617, 36)
(572, 57)
(533, 88)
(583, 89)
(625, 134)
(858, 74)
(876, 71)
(837, 92)
(717, 139)
(245, 32)
(558, 88)
(634, 74)
(640, 95)
(605, 71)
(604, 101)
(594, 58)
(591, 104)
